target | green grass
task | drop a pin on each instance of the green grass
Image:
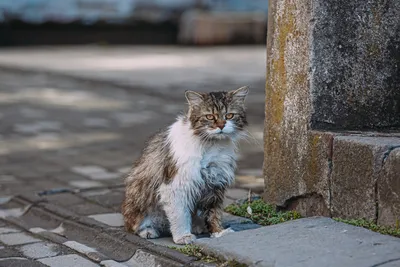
(266, 214)
(262, 213)
(197, 252)
(386, 230)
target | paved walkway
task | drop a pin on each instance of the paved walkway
(68, 140)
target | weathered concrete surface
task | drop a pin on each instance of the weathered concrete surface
(355, 64)
(356, 174)
(311, 242)
(322, 76)
(295, 162)
(389, 189)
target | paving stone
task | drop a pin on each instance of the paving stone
(95, 192)
(71, 260)
(36, 127)
(4, 199)
(96, 122)
(6, 230)
(65, 199)
(47, 137)
(19, 262)
(9, 252)
(112, 200)
(128, 119)
(81, 248)
(112, 263)
(85, 184)
(7, 179)
(143, 258)
(17, 239)
(40, 250)
(32, 113)
(105, 176)
(125, 170)
(88, 208)
(111, 219)
(88, 170)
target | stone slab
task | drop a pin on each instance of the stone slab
(356, 170)
(311, 242)
(389, 189)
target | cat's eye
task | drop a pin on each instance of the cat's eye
(229, 116)
(210, 117)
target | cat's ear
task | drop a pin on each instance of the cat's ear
(194, 98)
(240, 94)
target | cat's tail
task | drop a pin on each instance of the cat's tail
(132, 215)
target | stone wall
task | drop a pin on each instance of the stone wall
(333, 108)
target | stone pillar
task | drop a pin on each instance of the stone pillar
(333, 107)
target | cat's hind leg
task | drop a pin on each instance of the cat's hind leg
(152, 226)
(199, 223)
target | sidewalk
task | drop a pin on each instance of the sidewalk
(66, 143)
(69, 136)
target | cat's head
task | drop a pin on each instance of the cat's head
(217, 115)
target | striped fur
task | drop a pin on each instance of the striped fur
(184, 170)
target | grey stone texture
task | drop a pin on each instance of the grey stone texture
(17, 239)
(311, 242)
(332, 72)
(357, 174)
(355, 64)
(71, 260)
(389, 189)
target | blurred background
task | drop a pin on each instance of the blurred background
(84, 83)
(201, 22)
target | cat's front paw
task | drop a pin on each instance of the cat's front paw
(222, 233)
(148, 233)
(185, 240)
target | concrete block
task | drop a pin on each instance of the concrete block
(389, 189)
(318, 241)
(356, 170)
(297, 174)
(355, 64)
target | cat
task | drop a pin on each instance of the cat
(178, 184)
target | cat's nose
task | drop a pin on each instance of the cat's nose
(221, 124)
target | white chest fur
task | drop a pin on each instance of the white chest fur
(192, 156)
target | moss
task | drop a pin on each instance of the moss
(198, 252)
(262, 213)
(386, 230)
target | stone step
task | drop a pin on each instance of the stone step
(309, 242)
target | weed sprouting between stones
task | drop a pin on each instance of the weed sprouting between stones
(262, 213)
(265, 214)
(198, 252)
(386, 230)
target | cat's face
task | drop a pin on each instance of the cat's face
(217, 115)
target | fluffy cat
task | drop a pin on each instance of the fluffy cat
(178, 184)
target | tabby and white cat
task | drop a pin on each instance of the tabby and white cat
(178, 183)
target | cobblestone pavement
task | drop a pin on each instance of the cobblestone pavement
(65, 146)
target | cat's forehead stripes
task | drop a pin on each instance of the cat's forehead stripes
(218, 101)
